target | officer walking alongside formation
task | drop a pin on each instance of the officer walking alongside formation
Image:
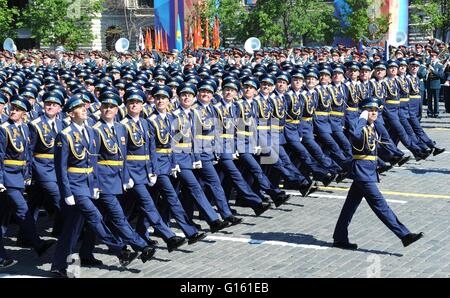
(364, 140)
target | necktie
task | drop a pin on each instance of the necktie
(55, 130)
(113, 131)
(21, 131)
(85, 136)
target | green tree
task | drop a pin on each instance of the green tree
(7, 16)
(232, 16)
(61, 22)
(437, 11)
(289, 22)
(358, 17)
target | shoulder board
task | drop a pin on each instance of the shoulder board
(124, 121)
(153, 117)
(257, 97)
(97, 125)
(194, 106)
(5, 124)
(176, 112)
(36, 121)
(67, 130)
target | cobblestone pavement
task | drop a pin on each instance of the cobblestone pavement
(295, 240)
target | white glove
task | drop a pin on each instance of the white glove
(129, 185)
(301, 139)
(257, 150)
(28, 182)
(152, 178)
(70, 201)
(364, 114)
(197, 164)
(175, 171)
(2, 188)
(236, 155)
(96, 194)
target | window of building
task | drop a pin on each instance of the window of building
(112, 35)
(146, 3)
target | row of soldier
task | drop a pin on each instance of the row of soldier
(107, 147)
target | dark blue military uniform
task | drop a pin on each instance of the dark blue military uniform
(75, 164)
(141, 164)
(160, 130)
(205, 136)
(310, 98)
(184, 156)
(365, 176)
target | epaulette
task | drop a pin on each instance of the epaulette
(97, 125)
(5, 124)
(153, 117)
(36, 121)
(176, 112)
(66, 130)
(124, 121)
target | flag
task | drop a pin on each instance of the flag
(141, 43)
(207, 43)
(195, 35)
(386, 50)
(178, 37)
(199, 32)
(150, 42)
(157, 39)
(216, 36)
(166, 42)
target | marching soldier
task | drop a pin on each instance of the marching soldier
(43, 132)
(183, 138)
(15, 164)
(75, 165)
(321, 121)
(310, 98)
(226, 111)
(205, 138)
(375, 88)
(113, 179)
(293, 132)
(391, 113)
(160, 130)
(364, 140)
(247, 143)
(141, 166)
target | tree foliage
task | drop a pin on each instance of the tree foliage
(7, 16)
(438, 12)
(357, 18)
(61, 22)
(232, 16)
(289, 22)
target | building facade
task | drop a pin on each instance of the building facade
(121, 18)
